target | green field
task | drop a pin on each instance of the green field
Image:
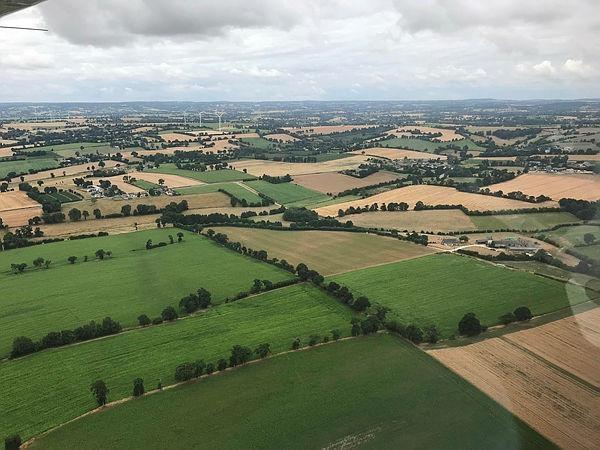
(325, 202)
(590, 251)
(260, 143)
(440, 289)
(378, 390)
(69, 150)
(23, 166)
(143, 184)
(424, 145)
(551, 271)
(204, 188)
(241, 193)
(209, 176)
(285, 193)
(525, 222)
(60, 196)
(572, 236)
(48, 388)
(134, 281)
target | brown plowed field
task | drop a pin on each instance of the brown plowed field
(554, 185)
(435, 195)
(334, 183)
(547, 376)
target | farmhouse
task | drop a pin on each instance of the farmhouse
(450, 241)
(518, 245)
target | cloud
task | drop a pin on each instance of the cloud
(544, 68)
(117, 22)
(577, 67)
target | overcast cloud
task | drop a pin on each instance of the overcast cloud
(117, 50)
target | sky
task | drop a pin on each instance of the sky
(263, 50)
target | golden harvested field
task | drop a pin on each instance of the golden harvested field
(334, 183)
(172, 181)
(142, 129)
(16, 208)
(434, 195)
(440, 220)
(260, 167)
(547, 376)
(170, 137)
(244, 135)
(280, 137)
(69, 171)
(572, 343)
(447, 135)
(584, 157)
(328, 252)
(554, 185)
(112, 226)
(195, 201)
(220, 144)
(326, 129)
(6, 151)
(397, 153)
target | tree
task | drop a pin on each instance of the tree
(263, 350)
(144, 320)
(589, 238)
(239, 355)
(171, 239)
(100, 254)
(97, 213)
(149, 244)
(18, 268)
(210, 368)
(74, 214)
(221, 364)
(361, 304)
(523, 313)
(161, 181)
(12, 442)
(169, 314)
(335, 334)
(138, 387)
(38, 262)
(22, 345)
(179, 236)
(126, 210)
(296, 344)
(100, 392)
(414, 333)
(355, 330)
(314, 339)
(507, 318)
(72, 259)
(432, 334)
(85, 213)
(185, 371)
(469, 325)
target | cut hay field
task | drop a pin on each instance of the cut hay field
(285, 193)
(441, 288)
(171, 137)
(334, 183)
(275, 317)
(435, 220)
(524, 222)
(16, 208)
(134, 281)
(392, 389)
(325, 129)
(328, 252)
(117, 225)
(547, 376)
(555, 186)
(280, 137)
(397, 153)
(275, 168)
(435, 195)
(209, 176)
(110, 206)
(170, 180)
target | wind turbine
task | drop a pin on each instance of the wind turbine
(219, 115)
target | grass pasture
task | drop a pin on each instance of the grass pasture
(209, 176)
(22, 166)
(423, 145)
(524, 222)
(241, 192)
(328, 252)
(70, 150)
(285, 193)
(571, 236)
(276, 317)
(380, 403)
(145, 185)
(259, 143)
(441, 288)
(134, 281)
